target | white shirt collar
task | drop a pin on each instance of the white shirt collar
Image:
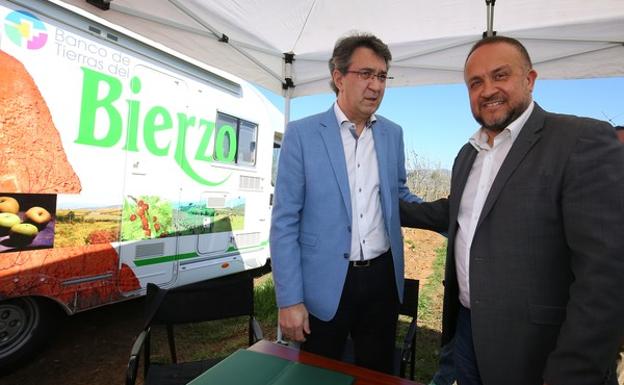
(479, 139)
(341, 117)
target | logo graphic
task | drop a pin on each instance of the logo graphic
(25, 29)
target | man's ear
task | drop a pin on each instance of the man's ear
(531, 76)
(338, 77)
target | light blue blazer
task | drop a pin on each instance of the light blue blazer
(311, 221)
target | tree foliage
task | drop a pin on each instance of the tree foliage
(428, 181)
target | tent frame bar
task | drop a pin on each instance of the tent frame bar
(223, 38)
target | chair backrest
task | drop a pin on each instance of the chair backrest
(204, 301)
(211, 300)
(409, 307)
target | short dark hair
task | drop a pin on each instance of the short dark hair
(344, 48)
(502, 39)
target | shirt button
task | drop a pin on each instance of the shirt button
(358, 165)
(349, 228)
(360, 190)
(361, 215)
(364, 241)
(345, 255)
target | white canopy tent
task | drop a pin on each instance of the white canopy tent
(284, 45)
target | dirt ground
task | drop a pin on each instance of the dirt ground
(92, 348)
(420, 251)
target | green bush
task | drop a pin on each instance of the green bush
(264, 301)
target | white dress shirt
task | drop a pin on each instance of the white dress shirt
(484, 170)
(368, 232)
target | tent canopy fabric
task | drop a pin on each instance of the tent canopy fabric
(429, 40)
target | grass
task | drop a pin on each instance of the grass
(430, 321)
(220, 338)
(264, 301)
(429, 301)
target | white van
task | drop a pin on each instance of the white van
(120, 164)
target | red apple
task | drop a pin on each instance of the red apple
(9, 205)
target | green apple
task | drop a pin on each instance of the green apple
(23, 234)
(7, 220)
(9, 205)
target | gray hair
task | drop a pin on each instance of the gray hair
(344, 48)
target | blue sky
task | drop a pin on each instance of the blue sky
(437, 121)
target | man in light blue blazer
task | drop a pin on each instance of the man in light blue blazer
(336, 244)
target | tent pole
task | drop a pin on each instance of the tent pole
(288, 85)
(490, 18)
(287, 108)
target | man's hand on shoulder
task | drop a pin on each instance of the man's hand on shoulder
(294, 322)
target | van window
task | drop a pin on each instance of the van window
(247, 134)
(235, 140)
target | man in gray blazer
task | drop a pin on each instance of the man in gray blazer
(534, 286)
(336, 244)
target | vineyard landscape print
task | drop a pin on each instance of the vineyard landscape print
(144, 217)
(87, 226)
(197, 218)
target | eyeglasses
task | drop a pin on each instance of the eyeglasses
(366, 75)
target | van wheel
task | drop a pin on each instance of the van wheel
(24, 323)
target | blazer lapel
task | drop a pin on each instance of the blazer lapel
(529, 135)
(380, 137)
(330, 132)
(465, 159)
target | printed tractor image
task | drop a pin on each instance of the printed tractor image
(121, 165)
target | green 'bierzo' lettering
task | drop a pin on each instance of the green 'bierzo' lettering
(99, 94)
(203, 145)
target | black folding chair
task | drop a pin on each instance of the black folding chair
(407, 351)
(205, 301)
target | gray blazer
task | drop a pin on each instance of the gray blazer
(547, 258)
